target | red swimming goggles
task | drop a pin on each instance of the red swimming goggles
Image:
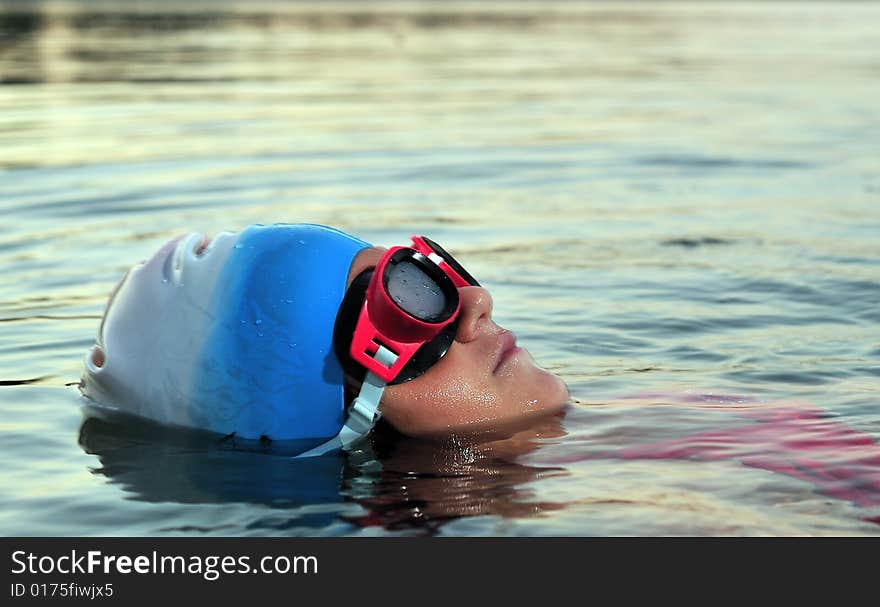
(411, 308)
(395, 322)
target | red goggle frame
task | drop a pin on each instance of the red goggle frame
(394, 323)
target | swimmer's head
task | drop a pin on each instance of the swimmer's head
(235, 335)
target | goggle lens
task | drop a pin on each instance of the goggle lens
(415, 292)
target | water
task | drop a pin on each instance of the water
(672, 201)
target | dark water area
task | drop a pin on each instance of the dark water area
(675, 207)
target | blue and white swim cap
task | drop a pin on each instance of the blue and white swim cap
(231, 336)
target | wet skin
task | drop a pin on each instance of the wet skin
(484, 386)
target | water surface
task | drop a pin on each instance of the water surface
(672, 201)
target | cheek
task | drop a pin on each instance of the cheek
(451, 396)
(457, 394)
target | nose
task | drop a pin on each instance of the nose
(476, 312)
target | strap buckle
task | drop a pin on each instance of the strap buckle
(362, 416)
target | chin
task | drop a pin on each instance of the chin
(564, 397)
(550, 393)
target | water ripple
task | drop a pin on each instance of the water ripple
(683, 261)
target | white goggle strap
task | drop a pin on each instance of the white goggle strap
(364, 411)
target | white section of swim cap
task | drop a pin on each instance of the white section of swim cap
(155, 329)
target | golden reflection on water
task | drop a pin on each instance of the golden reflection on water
(127, 84)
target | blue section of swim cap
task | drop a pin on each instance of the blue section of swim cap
(268, 365)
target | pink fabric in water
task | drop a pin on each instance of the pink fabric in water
(799, 441)
(795, 439)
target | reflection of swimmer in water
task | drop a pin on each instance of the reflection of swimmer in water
(420, 485)
(236, 336)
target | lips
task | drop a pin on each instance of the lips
(506, 348)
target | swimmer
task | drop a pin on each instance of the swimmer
(304, 334)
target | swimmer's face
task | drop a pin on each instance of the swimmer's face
(484, 385)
